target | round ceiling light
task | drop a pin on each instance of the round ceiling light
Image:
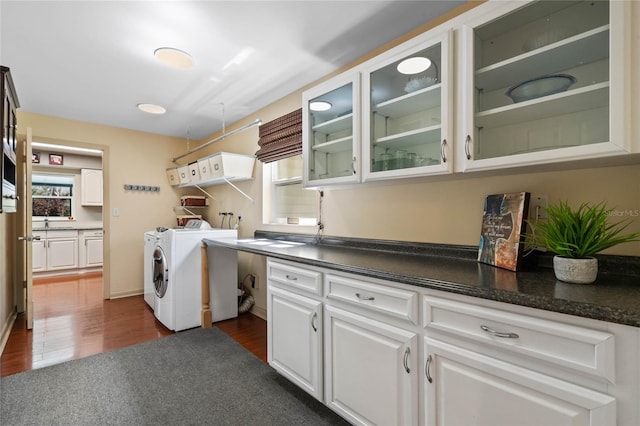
(319, 106)
(151, 108)
(173, 57)
(414, 65)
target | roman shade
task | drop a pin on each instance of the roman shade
(280, 138)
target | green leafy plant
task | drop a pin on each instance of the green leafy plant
(579, 233)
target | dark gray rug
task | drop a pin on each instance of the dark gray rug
(196, 377)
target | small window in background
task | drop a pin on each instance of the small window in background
(52, 195)
(285, 200)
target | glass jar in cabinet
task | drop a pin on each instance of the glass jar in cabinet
(545, 82)
(407, 109)
(330, 132)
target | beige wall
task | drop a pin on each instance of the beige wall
(130, 158)
(443, 210)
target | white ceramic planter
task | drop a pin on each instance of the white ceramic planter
(577, 271)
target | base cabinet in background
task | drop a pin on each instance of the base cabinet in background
(91, 248)
(56, 250)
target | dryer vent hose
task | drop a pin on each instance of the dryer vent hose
(246, 304)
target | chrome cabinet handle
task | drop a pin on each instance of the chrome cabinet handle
(498, 333)
(353, 165)
(405, 360)
(443, 154)
(291, 277)
(467, 144)
(313, 319)
(427, 367)
(361, 297)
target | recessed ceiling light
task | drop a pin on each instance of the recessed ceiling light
(414, 65)
(319, 106)
(174, 57)
(151, 108)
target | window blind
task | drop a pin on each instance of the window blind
(280, 138)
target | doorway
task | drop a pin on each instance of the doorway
(67, 212)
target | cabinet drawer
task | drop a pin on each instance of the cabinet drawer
(303, 279)
(374, 297)
(582, 349)
(65, 233)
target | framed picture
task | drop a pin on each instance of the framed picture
(501, 238)
(35, 157)
(55, 159)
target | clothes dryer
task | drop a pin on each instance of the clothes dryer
(177, 280)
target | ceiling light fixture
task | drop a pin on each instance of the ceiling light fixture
(414, 65)
(151, 108)
(174, 57)
(319, 106)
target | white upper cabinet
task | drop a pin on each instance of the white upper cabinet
(407, 109)
(331, 132)
(91, 187)
(544, 82)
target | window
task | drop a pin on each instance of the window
(52, 195)
(285, 200)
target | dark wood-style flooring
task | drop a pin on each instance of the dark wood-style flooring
(72, 320)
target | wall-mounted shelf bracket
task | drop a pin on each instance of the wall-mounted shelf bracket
(205, 192)
(239, 190)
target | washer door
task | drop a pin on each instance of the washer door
(160, 272)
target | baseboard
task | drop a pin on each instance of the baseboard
(259, 312)
(6, 330)
(122, 294)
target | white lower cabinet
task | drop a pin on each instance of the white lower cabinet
(294, 338)
(294, 324)
(464, 387)
(383, 353)
(62, 253)
(56, 250)
(91, 249)
(371, 370)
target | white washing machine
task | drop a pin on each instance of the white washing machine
(150, 239)
(176, 277)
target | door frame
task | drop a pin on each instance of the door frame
(106, 223)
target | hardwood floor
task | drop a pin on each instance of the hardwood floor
(71, 321)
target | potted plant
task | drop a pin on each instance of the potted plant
(575, 236)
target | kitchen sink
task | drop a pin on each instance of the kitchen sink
(271, 243)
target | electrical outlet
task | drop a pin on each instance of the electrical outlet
(538, 207)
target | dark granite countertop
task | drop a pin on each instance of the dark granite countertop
(614, 297)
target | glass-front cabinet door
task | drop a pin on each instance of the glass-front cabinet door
(407, 106)
(330, 132)
(545, 82)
